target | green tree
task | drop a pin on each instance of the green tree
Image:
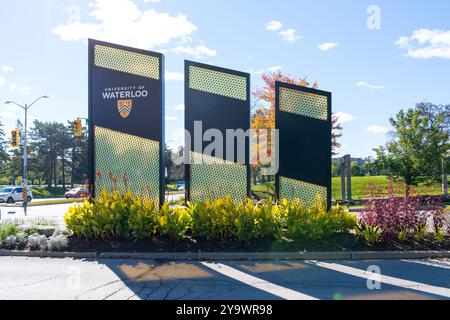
(414, 151)
(4, 157)
(78, 157)
(357, 170)
(51, 142)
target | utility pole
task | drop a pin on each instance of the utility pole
(25, 149)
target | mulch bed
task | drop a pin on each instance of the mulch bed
(337, 243)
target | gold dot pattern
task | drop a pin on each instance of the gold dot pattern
(304, 103)
(126, 61)
(307, 193)
(219, 83)
(126, 162)
(213, 178)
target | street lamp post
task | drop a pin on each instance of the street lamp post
(25, 150)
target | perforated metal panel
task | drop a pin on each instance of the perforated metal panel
(303, 118)
(304, 103)
(216, 82)
(308, 193)
(212, 178)
(127, 61)
(123, 161)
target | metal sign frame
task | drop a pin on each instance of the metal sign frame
(152, 126)
(216, 111)
(305, 142)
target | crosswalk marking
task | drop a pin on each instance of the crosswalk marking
(258, 283)
(412, 285)
(431, 262)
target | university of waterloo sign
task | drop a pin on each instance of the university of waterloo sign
(126, 132)
(124, 97)
(126, 111)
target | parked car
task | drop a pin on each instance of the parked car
(14, 194)
(77, 193)
(181, 186)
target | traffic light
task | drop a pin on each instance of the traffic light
(78, 128)
(15, 138)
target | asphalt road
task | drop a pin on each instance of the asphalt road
(34, 278)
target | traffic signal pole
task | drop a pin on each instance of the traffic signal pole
(25, 151)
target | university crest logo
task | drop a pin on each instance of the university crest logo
(124, 107)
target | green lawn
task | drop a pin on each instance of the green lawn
(359, 187)
(44, 193)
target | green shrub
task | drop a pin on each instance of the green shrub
(143, 219)
(57, 243)
(112, 215)
(370, 234)
(173, 223)
(439, 235)
(11, 242)
(315, 222)
(128, 216)
(7, 230)
(37, 241)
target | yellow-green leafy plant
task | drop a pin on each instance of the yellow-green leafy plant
(244, 224)
(403, 235)
(371, 234)
(112, 215)
(315, 222)
(268, 220)
(439, 235)
(124, 215)
(173, 223)
(143, 220)
(421, 232)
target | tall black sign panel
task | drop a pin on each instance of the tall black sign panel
(216, 100)
(126, 114)
(303, 117)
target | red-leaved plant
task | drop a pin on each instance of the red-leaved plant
(395, 214)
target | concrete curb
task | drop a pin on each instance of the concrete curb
(246, 256)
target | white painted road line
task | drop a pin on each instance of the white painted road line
(412, 285)
(431, 262)
(258, 283)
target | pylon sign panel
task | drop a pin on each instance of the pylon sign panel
(126, 120)
(303, 118)
(217, 100)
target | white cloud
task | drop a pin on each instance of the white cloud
(289, 35)
(426, 44)
(174, 76)
(274, 25)
(20, 89)
(344, 117)
(151, 1)
(374, 129)
(6, 69)
(121, 21)
(327, 46)
(365, 84)
(268, 70)
(198, 51)
(171, 118)
(2, 81)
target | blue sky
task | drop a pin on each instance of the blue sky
(374, 67)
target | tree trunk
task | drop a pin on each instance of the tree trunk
(63, 172)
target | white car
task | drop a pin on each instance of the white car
(13, 194)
